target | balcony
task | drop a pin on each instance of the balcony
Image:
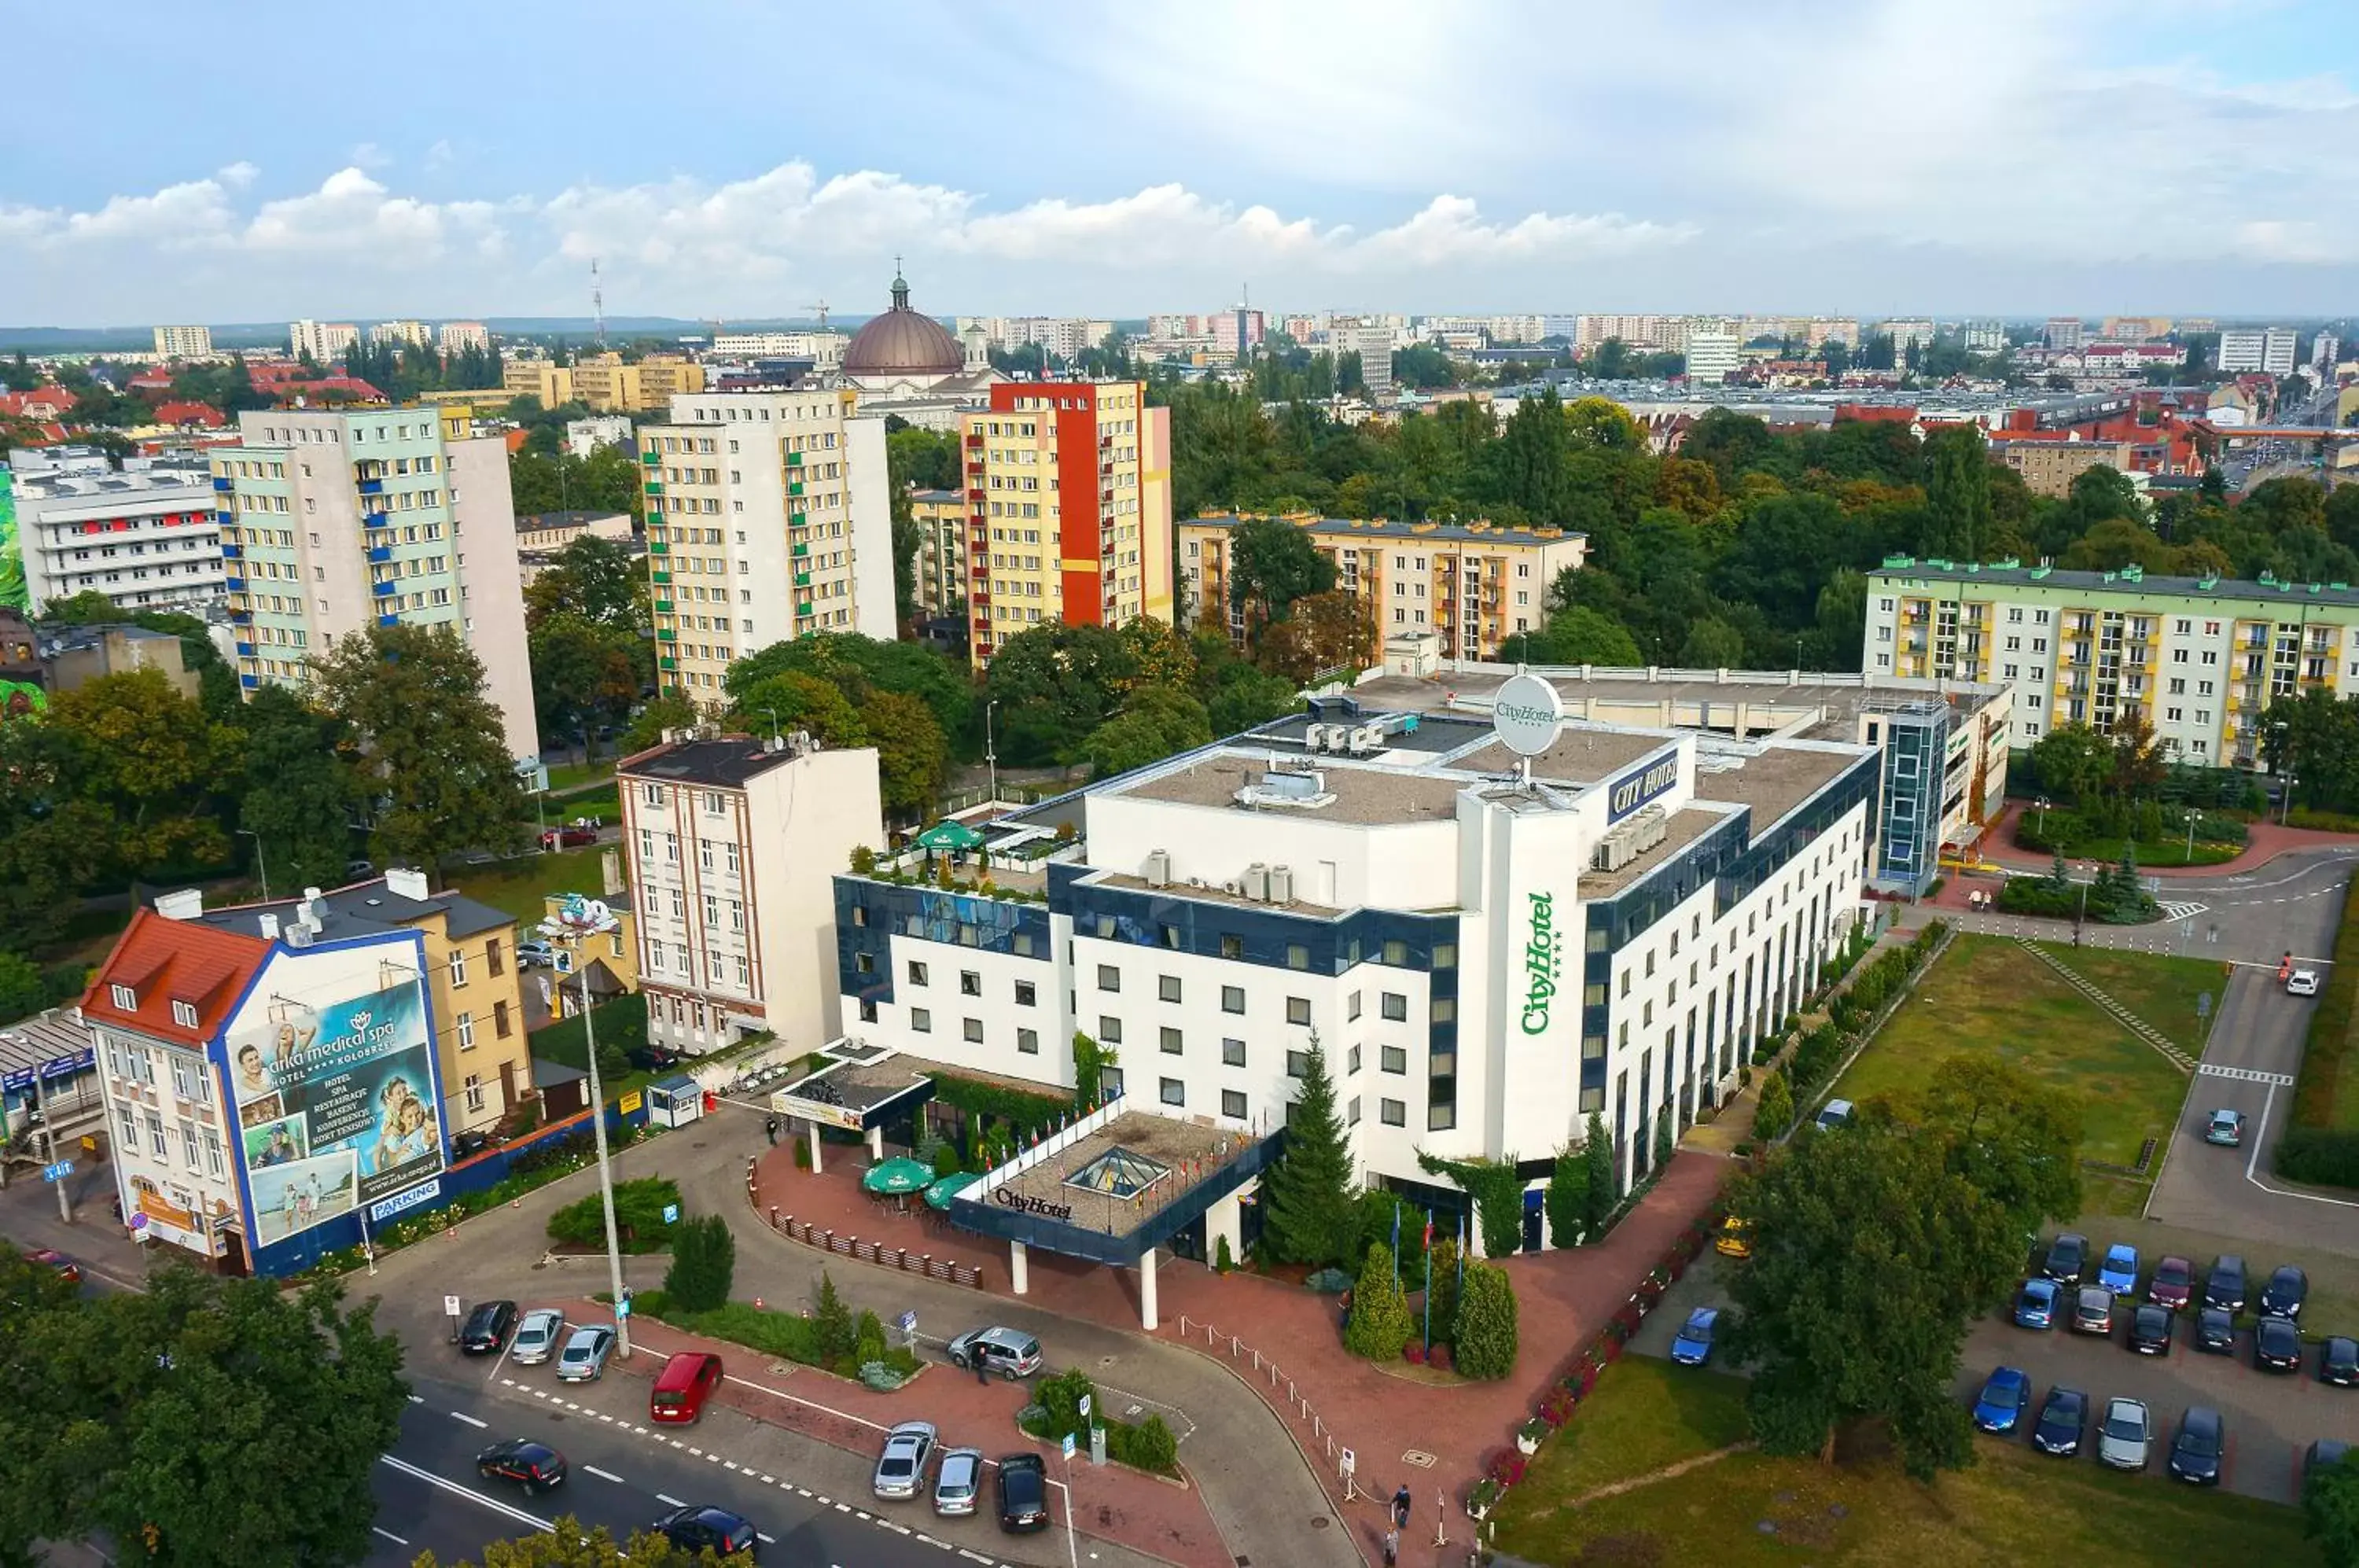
(794, 487)
(249, 682)
(221, 481)
(663, 606)
(246, 650)
(233, 551)
(380, 552)
(661, 576)
(383, 590)
(389, 620)
(652, 458)
(803, 579)
(226, 519)
(974, 471)
(796, 519)
(803, 607)
(234, 584)
(667, 663)
(657, 547)
(974, 495)
(375, 519)
(974, 441)
(800, 549)
(665, 634)
(655, 486)
(794, 460)
(242, 617)
(372, 486)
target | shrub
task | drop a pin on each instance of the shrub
(1148, 1445)
(1775, 1112)
(833, 1332)
(1060, 1398)
(1379, 1317)
(1507, 1467)
(1485, 1341)
(1568, 1197)
(1222, 1259)
(945, 1159)
(1414, 1353)
(703, 1263)
(1438, 1357)
(1442, 1296)
(2327, 1157)
(639, 1225)
(868, 1338)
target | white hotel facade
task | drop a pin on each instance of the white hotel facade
(1485, 961)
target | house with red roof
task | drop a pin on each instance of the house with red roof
(40, 403)
(190, 416)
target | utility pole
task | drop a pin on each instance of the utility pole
(260, 864)
(575, 925)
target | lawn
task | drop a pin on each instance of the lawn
(1987, 994)
(2165, 992)
(1658, 1415)
(518, 887)
(2011, 1507)
(578, 775)
(602, 802)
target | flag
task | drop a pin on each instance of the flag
(1427, 1242)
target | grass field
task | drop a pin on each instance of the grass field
(575, 775)
(1988, 995)
(2013, 1507)
(517, 887)
(2165, 992)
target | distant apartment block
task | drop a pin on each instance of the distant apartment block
(184, 343)
(334, 520)
(2268, 350)
(2134, 329)
(824, 350)
(583, 437)
(1373, 342)
(1713, 357)
(458, 337)
(410, 334)
(325, 342)
(2049, 467)
(531, 376)
(610, 385)
(146, 536)
(1667, 334)
(1908, 332)
(2062, 333)
(769, 517)
(1985, 337)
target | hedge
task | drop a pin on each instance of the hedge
(788, 1336)
(639, 1225)
(1147, 1446)
(2314, 1148)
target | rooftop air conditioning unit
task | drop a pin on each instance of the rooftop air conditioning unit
(1338, 736)
(1258, 881)
(1370, 737)
(1612, 854)
(1312, 735)
(1158, 868)
(1281, 883)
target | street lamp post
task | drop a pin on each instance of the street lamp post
(989, 749)
(574, 924)
(260, 864)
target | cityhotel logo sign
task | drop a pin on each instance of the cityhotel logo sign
(1543, 962)
(1635, 789)
(1031, 1205)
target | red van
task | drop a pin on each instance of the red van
(687, 1381)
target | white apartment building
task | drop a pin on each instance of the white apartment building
(1486, 963)
(337, 519)
(824, 350)
(457, 337)
(1372, 341)
(1668, 333)
(731, 844)
(323, 341)
(2063, 333)
(586, 436)
(415, 334)
(769, 517)
(1985, 337)
(1713, 357)
(146, 536)
(2268, 350)
(1908, 332)
(184, 343)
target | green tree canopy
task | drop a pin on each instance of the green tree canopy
(149, 758)
(1380, 1321)
(1308, 1194)
(1155, 723)
(585, 672)
(1272, 564)
(297, 796)
(594, 579)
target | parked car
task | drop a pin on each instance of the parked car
(2322, 1454)
(654, 1058)
(2215, 1331)
(2004, 1395)
(2062, 1415)
(532, 952)
(2124, 1435)
(467, 1145)
(570, 837)
(359, 870)
(2225, 1285)
(2338, 1361)
(2150, 1330)
(1023, 1493)
(2302, 983)
(534, 1466)
(2035, 1304)
(2173, 1285)
(2276, 1345)
(2201, 1443)
(958, 1481)
(2282, 1297)
(1735, 1238)
(2119, 1271)
(585, 1354)
(1834, 1113)
(487, 1328)
(2093, 1310)
(686, 1381)
(1010, 1352)
(901, 1468)
(537, 1337)
(2067, 1256)
(2225, 1129)
(57, 1262)
(1693, 1345)
(694, 1529)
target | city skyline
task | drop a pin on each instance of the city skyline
(1173, 159)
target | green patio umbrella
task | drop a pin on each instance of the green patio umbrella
(948, 834)
(897, 1177)
(939, 1195)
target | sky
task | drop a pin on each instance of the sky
(728, 159)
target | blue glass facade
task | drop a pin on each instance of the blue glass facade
(869, 914)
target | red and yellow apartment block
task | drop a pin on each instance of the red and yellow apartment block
(1068, 490)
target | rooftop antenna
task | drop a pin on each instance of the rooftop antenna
(598, 302)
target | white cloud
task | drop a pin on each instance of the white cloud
(237, 175)
(368, 155)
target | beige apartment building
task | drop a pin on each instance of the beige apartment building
(532, 377)
(2049, 467)
(611, 386)
(1471, 584)
(940, 518)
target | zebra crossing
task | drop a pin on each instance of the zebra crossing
(2181, 910)
(2246, 1075)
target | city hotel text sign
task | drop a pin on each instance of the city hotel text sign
(1639, 786)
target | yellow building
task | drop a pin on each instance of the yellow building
(663, 376)
(2049, 468)
(542, 378)
(1472, 584)
(611, 386)
(941, 516)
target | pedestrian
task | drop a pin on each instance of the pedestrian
(1392, 1548)
(982, 1373)
(770, 1130)
(1400, 1507)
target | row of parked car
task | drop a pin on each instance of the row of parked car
(2057, 1295)
(2125, 1434)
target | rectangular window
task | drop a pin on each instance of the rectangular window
(156, 1135)
(1396, 952)
(1445, 955)
(921, 1021)
(500, 1025)
(1351, 1006)
(1232, 998)
(1109, 977)
(916, 973)
(1170, 1040)
(1392, 1059)
(458, 967)
(1109, 1030)
(466, 1032)
(1028, 1042)
(1170, 936)
(1232, 947)
(188, 1145)
(1298, 1062)
(969, 982)
(1233, 1105)
(184, 1015)
(1232, 1052)
(1395, 1007)
(973, 1031)
(1351, 1112)
(1352, 1062)
(1297, 955)
(474, 1087)
(214, 1154)
(1172, 1090)
(1026, 994)
(1392, 1113)
(493, 962)
(1167, 987)
(1298, 1009)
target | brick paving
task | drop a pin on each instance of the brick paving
(1328, 1399)
(2266, 843)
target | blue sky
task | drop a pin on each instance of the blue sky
(724, 158)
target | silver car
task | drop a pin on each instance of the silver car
(537, 1337)
(585, 1354)
(901, 1468)
(958, 1481)
(2125, 1435)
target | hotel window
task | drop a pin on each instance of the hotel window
(1028, 1042)
(916, 973)
(1392, 1059)
(1170, 936)
(921, 1022)
(1232, 998)
(1172, 1090)
(1298, 1062)
(1297, 955)
(969, 982)
(1109, 1030)
(1351, 1112)
(1109, 977)
(474, 1088)
(1395, 1006)
(1298, 1009)
(1445, 955)
(466, 1032)
(1232, 1052)
(1231, 947)
(1392, 1113)
(458, 967)
(1170, 1040)
(1396, 952)
(1232, 1104)
(1167, 987)
(973, 1028)
(1351, 1006)
(1026, 994)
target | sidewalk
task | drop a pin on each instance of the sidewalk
(2266, 842)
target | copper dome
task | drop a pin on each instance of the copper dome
(901, 341)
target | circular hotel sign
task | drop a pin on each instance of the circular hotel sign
(1526, 715)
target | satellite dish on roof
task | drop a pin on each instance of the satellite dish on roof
(1526, 715)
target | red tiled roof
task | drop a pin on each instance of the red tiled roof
(189, 413)
(166, 961)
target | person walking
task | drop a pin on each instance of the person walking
(1392, 1548)
(982, 1373)
(1400, 1507)
(770, 1130)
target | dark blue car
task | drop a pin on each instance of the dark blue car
(1694, 1347)
(2035, 1304)
(2003, 1397)
(2063, 1417)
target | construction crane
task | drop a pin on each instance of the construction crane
(821, 308)
(598, 302)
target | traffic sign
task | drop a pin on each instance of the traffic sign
(58, 1173)
(672, 1214)
(1086, 1407)
(623, 1308)
(2204, 1006)
(450, 1306)
(909, 1321)
(1069, 1448)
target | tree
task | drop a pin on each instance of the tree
(1568, 1198)
(149, 758)
(22, 994)
(1577, 636)
(2330, 1508)
(1773, 1112)
(297, 797)
(912, 756)
(2015, 1139)
(671, 710)
(426, 743)
(1272, 564)
(795, 701)
(1600, 1189)
(1307, 1194)
(1713, 644)
(1441, 1295)
(1484, 1338)
(703, 1263)
(858, 665)
(1873, 1255)
(1334, 630)
(1155, 723)
(53, 840)
(573, 1544)
(595, 578)
(1055, 684)
(833, 1334)
(1380, 1322)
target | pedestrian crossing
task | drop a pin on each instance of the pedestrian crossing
(2246, 1075)
(2181, 910)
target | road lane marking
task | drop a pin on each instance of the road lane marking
(389, 1535)
(471, 1421)
(668, 1500)
(468, 1493)
(2246, 1074)
(417, 1399)
(605, 1474)
(765, 1540)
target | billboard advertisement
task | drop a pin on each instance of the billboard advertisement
(336, 1108)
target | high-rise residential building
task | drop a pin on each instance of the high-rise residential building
(1236, 333)
(2134, 329)
(532, 375)
(1908, 332)
(824, 350)
(2270, 349)
(1985, 337)
(733, 844)
(1372, 340)
(2062, 333)
(335, 520)
(2201, 658)
(325, 342)
(1470, 585)
(2324, 350)
(1713, 357)
(1069, 502)
(940, 518)
(184, 343)
(414, 334)
(1667, 334)
(458, 337)
(146, 536)
(769, 517)
(610, 385)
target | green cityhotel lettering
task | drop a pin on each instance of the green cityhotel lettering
(1542, 958)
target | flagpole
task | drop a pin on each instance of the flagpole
(1429, 1283)
(1395, 1245)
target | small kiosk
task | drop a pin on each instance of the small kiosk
(675, 1101)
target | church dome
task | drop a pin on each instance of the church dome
(902, 341)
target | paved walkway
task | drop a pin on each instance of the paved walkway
(2266, 842)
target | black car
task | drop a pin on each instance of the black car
(2276, 1345)
(2150, 1329)
(2202, 1441)
(467, 1145)
(2339, 1361)
(1023, 1493)
(2215, 1331)
(694, 1529)
(654, 1057)
(2062, 1416)
(2283, 1295)
(536, 1465)
(2324, 1455)
(2225, 1286)
(2067, 1256)
(488, 1327)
